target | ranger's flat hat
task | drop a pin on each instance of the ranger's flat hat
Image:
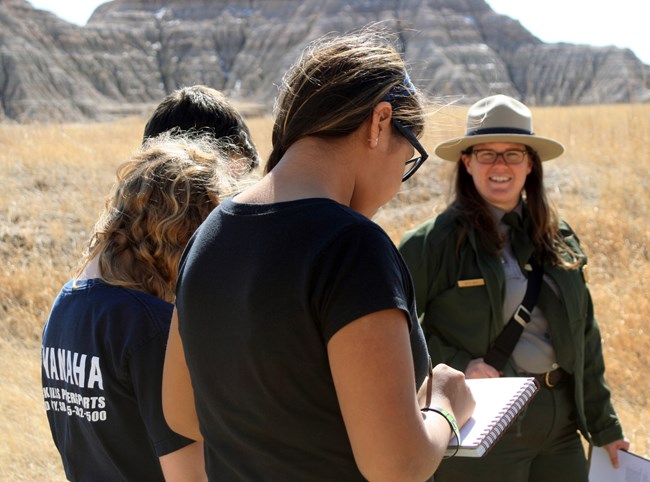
(499, 118)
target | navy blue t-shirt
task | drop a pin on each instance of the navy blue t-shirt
(102, 358)
(261, 290)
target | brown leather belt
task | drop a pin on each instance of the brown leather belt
(549, 379)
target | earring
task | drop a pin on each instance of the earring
(373, 142)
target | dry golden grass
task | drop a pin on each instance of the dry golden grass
(54, 179)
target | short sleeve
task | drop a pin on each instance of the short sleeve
(145, 365)
(360, 272)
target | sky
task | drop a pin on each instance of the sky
(621, 23)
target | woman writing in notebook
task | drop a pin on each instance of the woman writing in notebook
(474, 264)
(295, 310)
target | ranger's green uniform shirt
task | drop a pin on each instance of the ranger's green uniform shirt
(460, 306)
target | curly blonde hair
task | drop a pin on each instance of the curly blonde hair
(162, 194)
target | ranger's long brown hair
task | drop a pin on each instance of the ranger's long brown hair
(475, 213)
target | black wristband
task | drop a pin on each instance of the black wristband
(450, 420)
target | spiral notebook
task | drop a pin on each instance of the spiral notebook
(498, 402)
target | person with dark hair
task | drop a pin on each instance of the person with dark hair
(202, 110)
(501, 290)
(304, 350)
(104, 341)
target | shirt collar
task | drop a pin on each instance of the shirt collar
(497, 213)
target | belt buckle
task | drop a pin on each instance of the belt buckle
(547, 379)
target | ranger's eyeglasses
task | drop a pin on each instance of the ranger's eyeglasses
(488, 156)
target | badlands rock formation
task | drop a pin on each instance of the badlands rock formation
(133, 52)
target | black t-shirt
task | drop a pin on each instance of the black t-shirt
(103, 351)
(262, 288)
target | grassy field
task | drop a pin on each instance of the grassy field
(54, 179)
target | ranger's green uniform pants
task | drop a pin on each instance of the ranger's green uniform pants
(542, 445)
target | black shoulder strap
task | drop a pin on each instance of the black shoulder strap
(502, 347)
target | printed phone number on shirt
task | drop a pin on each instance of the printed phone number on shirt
(61, 400)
